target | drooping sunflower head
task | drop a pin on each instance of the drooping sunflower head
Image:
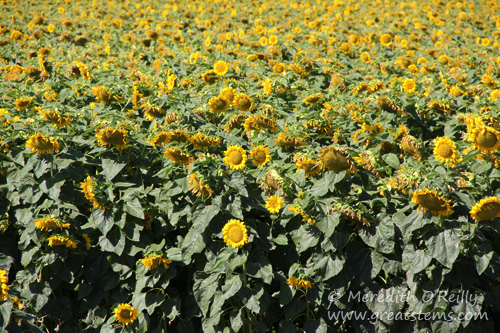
(48, 223)
(210, 77)
(335, 159)
(218, 104)
(486, 209)
(126, 314)
(221, 67)
(110, 136)
(199, 187)
(243, 102)
(55, 118)
(310, 166)
(313, 99)
(235, 157)
(88, 188)
(41, 144)
(151, 112)
(235, 233)
(177, 156)
(260, 156)
(430, 201)
(485, 138)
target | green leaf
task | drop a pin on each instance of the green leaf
(482, 261)
(111, 168)
(392, 160)
(328, 225)
(5, 310)
(304, 238)
(281, 240)
(444, 247)
(134, 208)
(65, 93)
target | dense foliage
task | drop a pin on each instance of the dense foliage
(248, 166)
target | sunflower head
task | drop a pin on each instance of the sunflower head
(334, 159)
(235, 157)
(310, 166)
(409, 86)
(485, 138)
(445, 150)
(221, 67)
(151, 112)
(274, 204)
(110, 136)
(210, 77)
(386, 40)
(177, 156)
(430, 201)
(218, 104)
(199, 187)
(235, 233)
(243, 102)
(260, 156)
(126, 314)
(228, 93)
(41, 144)
(486, 209)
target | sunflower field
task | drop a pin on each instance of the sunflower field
(249, 166)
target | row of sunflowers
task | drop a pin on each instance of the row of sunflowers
(232, 166)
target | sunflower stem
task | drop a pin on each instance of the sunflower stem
(245, 282)
(307, 307)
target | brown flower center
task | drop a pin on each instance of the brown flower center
(486, 139)
(445, 150)
(113, 137)
(235, 233)
(244, 103)
(126, 314)
(220, 104)
(431, 202)
(42, 143)
(489, 211)
(335, 161)
(235, 157)
(259, 156)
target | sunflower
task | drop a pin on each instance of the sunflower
(279, 68)
(267, 86)
(87, 241)
(55, 118)
(310, 166)
(126, 314)
(235, 233)
(273, 40)
(235, 157)
(334, 159)
(49, 223)
(258, 123)
(486, 209)
(260, 156)
(409, 86)
(430, 201)
(243, 102)
(4, 287)
(200, 140)
(41, 144)
(199, 187)
(151, 112)
(485, 138)
(218, 104)
(445, 150)
(210, 77)
(386, 40)
(299, 283)
(88, 189)
(313, 99)
(177, 156)
(287, 141)
(154, 261)
(235, 122)
(110, 136)
(103, 95)
(228, 94)
(274, 204)
(221, 68)
(23, 103)
(58, 241)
